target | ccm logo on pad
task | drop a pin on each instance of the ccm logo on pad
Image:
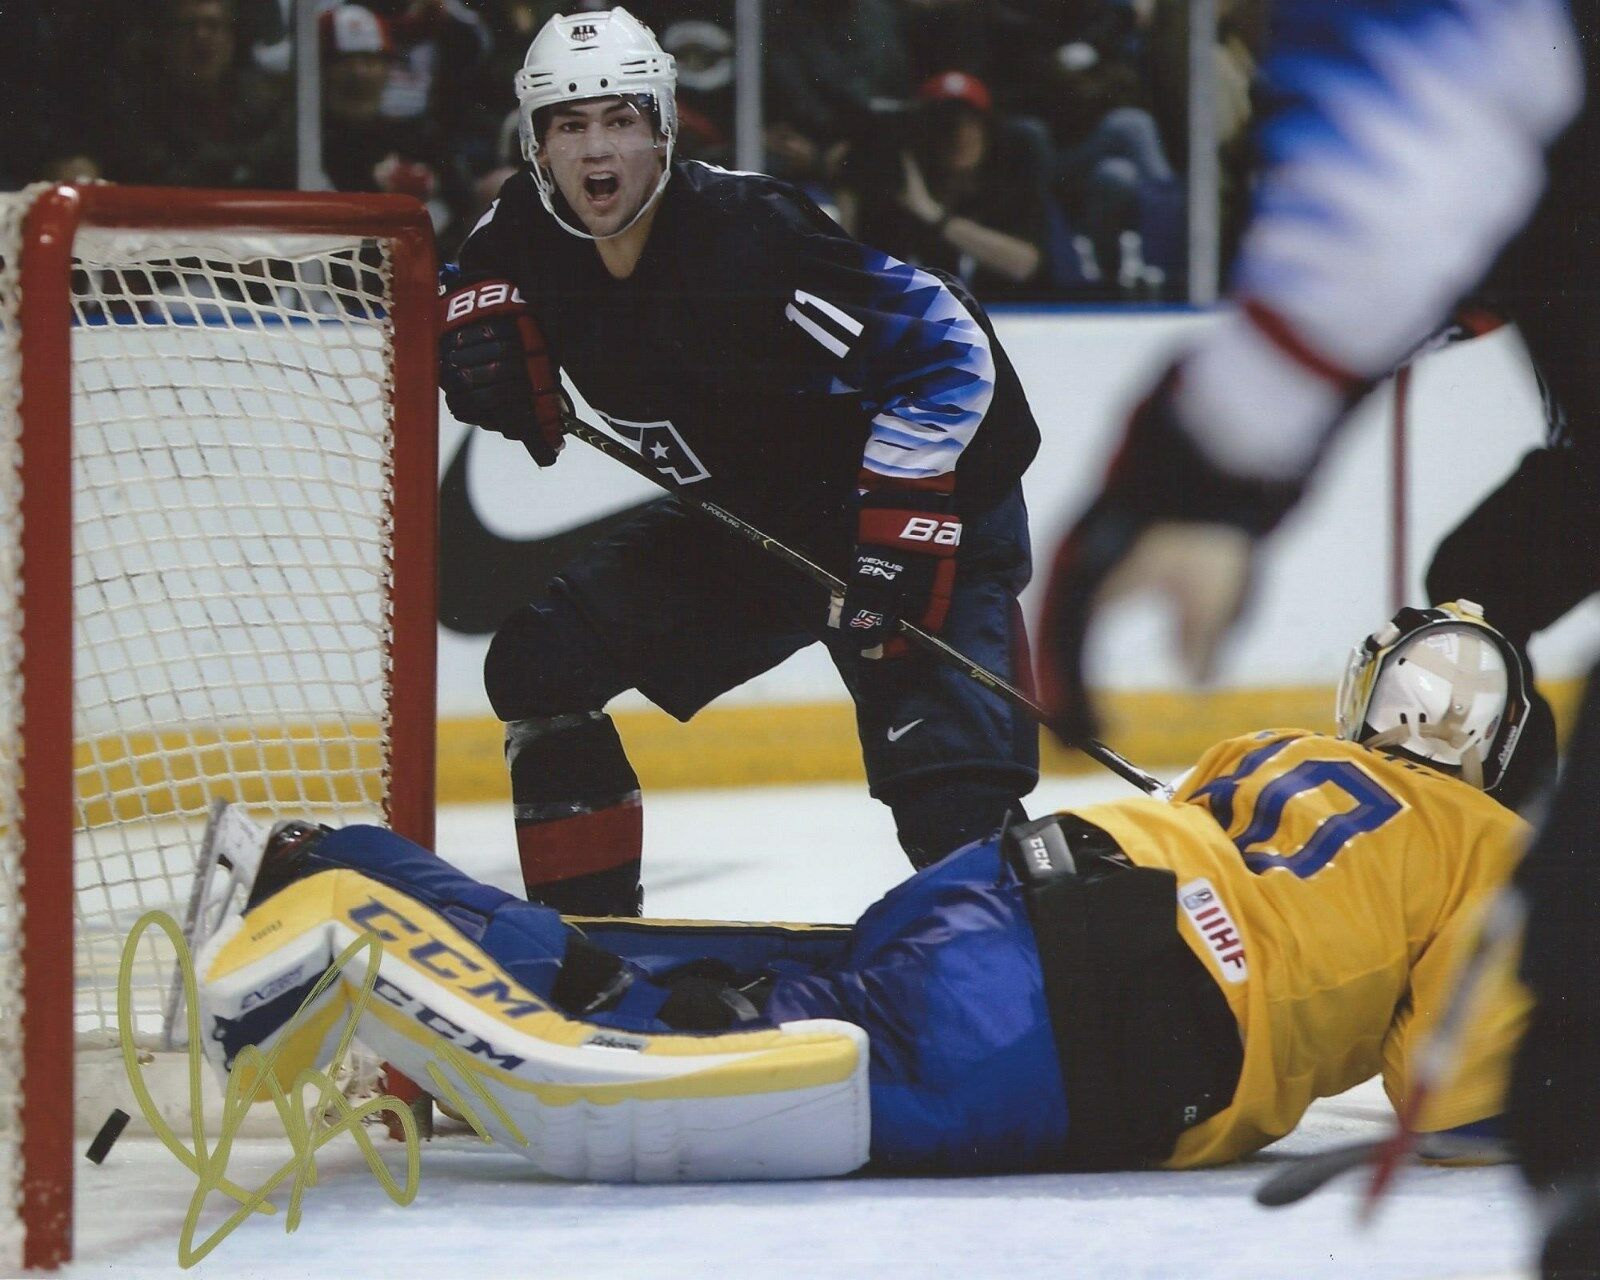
(492, 296)
(942, 533)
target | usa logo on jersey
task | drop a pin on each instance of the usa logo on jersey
(662, 447)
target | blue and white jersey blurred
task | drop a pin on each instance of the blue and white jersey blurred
(1402, 147)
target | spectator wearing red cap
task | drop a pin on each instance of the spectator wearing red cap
(357, 54)
(961, 188)
(362, 149)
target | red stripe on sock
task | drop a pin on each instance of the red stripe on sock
(582, 844)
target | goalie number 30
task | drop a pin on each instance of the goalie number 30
(1258, 843)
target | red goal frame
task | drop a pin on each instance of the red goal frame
(46, 827)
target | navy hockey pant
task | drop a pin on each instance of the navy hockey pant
(684, 611)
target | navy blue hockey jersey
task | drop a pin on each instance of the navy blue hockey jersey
(761, 355)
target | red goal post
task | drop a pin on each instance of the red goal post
(358, 266)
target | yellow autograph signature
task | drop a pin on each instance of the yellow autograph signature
(305, 1126)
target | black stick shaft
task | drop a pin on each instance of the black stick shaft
(1094, 749)
(1298, 1179)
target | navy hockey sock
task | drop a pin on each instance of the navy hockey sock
(935, 820)
(580, 827)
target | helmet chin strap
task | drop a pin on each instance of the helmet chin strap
(547, 188)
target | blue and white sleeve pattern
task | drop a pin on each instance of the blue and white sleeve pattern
(894, 337)
(1402, 147)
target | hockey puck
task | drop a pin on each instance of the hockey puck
(110, 1131)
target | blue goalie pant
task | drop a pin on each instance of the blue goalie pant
(941, 973)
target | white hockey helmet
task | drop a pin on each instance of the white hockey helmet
(1440, 686)
(595, 55)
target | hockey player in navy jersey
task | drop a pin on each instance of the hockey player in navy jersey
(849, 403)
(1130, 984)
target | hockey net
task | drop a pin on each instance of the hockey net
(221, 426)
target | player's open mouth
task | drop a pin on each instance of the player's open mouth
(601, 188)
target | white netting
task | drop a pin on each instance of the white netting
(232, 422)
(232, 479)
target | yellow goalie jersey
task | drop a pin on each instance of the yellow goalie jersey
(1334, 892)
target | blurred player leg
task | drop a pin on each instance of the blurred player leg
(1554, 1121)
(1547, 281)
(1528, 553)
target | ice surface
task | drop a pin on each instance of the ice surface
(814, 853)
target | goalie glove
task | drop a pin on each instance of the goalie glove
(904, 567)
(1168, 521)
(495, 368)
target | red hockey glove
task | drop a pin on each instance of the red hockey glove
(495, 369)
(904, 567)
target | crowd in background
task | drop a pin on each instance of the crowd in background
(1053, 129)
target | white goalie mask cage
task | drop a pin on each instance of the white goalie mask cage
(1440, 686)
(595, 55)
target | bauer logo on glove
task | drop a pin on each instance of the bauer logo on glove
(942, 533)
(904, 568)
(494, 297)
(496, 370)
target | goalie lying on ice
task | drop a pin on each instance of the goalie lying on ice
(1131, 984)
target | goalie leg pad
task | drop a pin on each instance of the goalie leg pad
(579, 1099)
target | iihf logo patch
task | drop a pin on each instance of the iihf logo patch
(661, 446)
(586, 31)
(1215, 926)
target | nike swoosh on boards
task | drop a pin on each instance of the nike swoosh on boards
(484, 576)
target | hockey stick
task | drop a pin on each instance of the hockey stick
(1306, 1174)
(1310, 1173)
(1095, 750)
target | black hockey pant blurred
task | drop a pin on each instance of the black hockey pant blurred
(1554, 1105)
(683, 611)
(1548, 281)
(1528, 553)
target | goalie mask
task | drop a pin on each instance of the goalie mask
(1440, 686)
(588, 56)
